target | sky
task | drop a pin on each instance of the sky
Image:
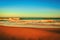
(29, 8)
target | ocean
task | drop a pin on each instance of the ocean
(38, 18)
(34, 25)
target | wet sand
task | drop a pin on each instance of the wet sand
(21, 33)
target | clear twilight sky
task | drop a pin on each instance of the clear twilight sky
(29, 8)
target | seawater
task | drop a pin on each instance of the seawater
(37, 18)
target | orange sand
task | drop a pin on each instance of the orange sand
(31, 32)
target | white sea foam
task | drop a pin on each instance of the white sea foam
(33, 25)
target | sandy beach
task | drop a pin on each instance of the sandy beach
(21, 33)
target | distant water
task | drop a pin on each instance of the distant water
(33, 18)
(38, 18)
